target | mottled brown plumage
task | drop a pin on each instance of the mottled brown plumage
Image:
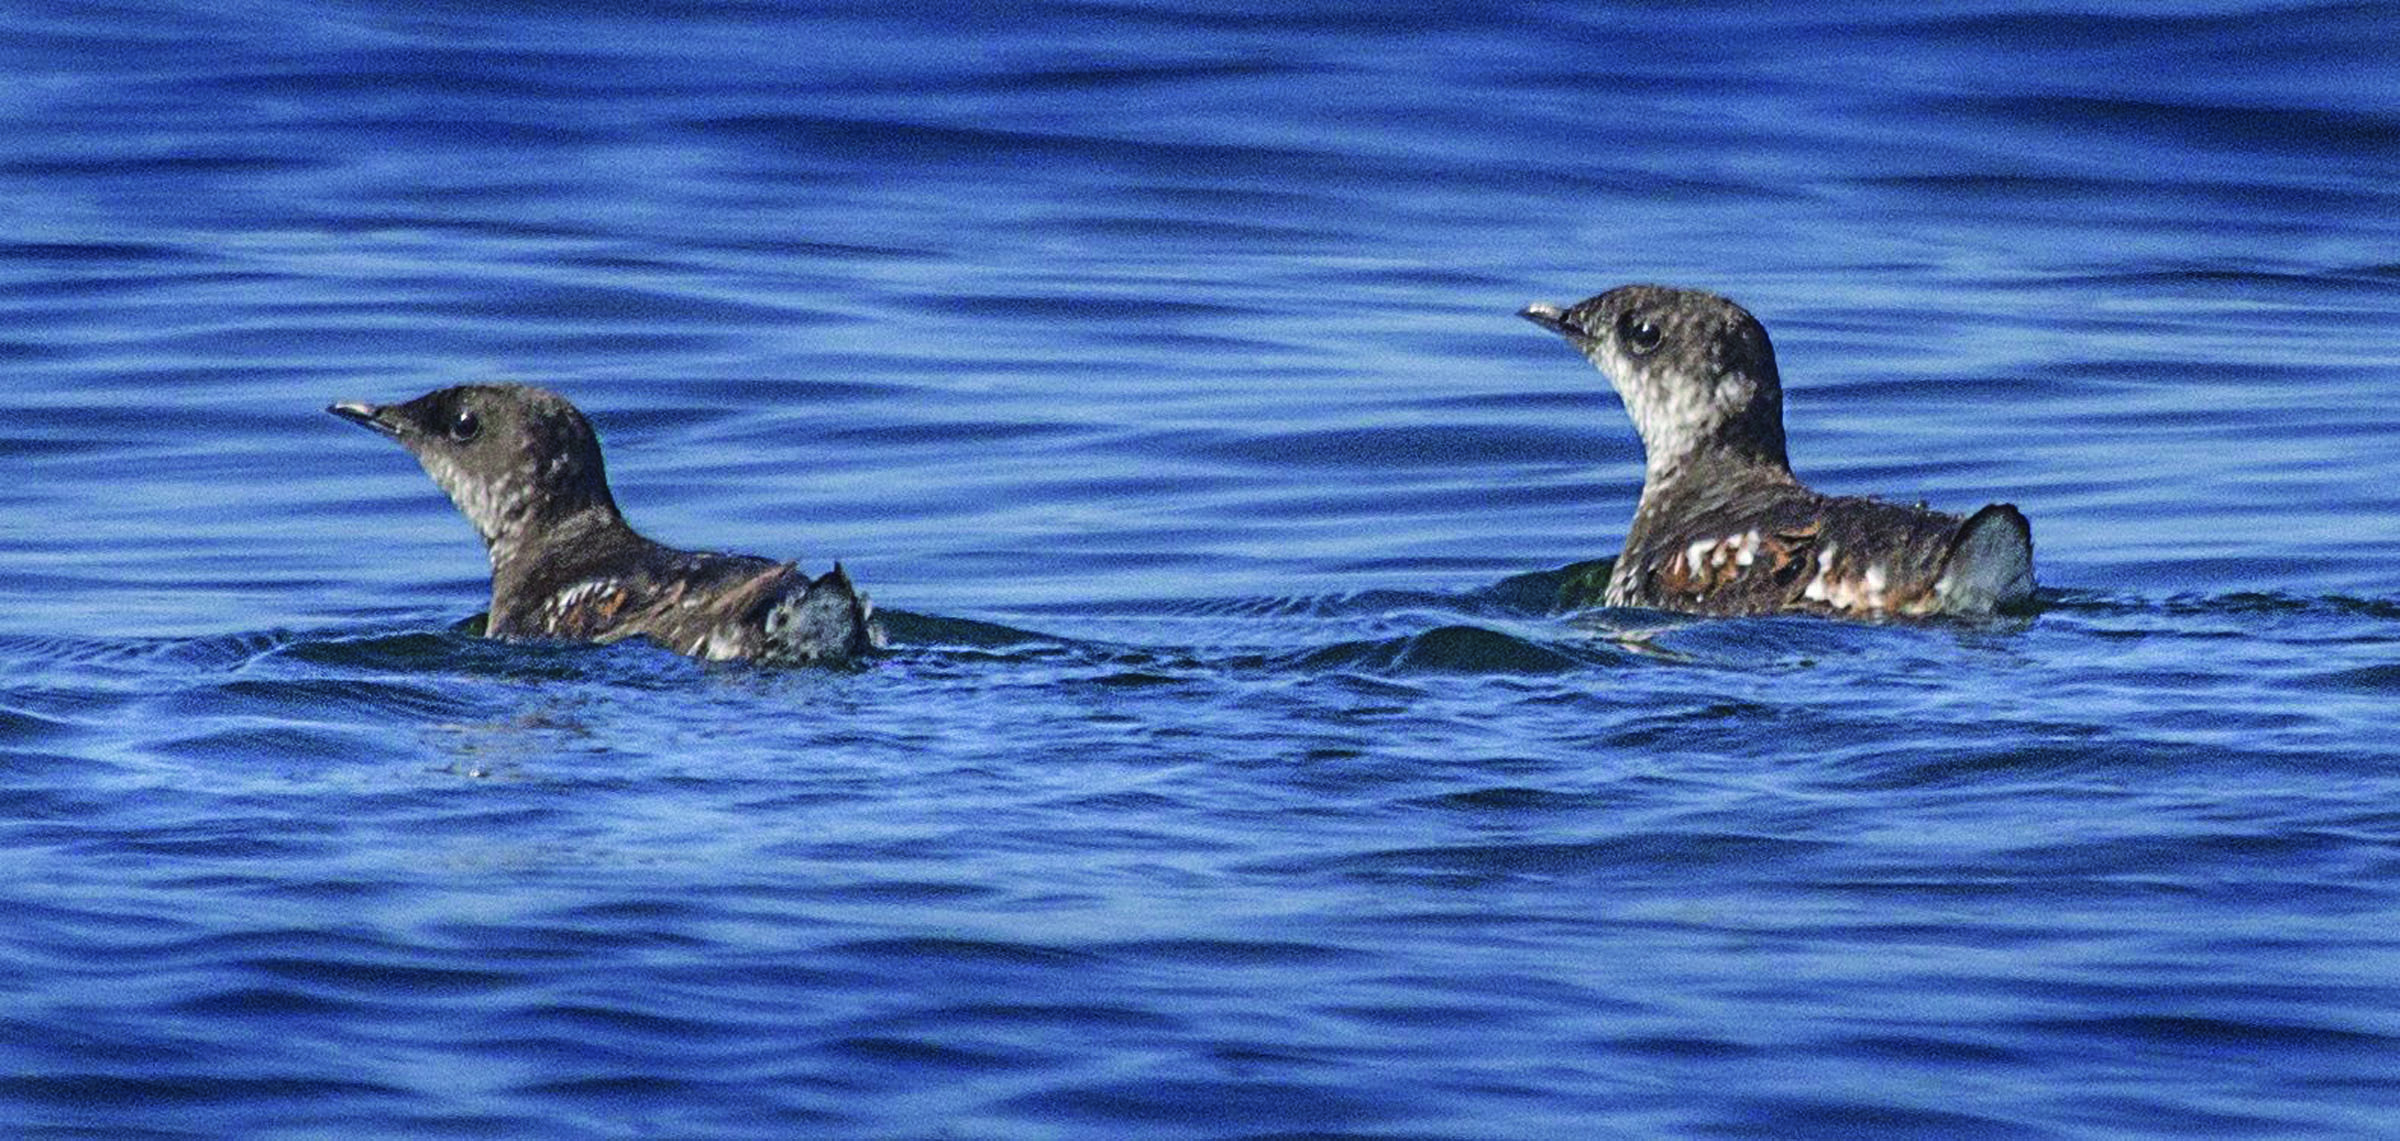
(524, 466)
(1723, 526)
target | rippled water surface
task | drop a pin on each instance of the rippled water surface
(1233, 773)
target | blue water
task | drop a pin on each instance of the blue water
(1157, 369)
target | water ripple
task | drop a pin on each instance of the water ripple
(1249, 760)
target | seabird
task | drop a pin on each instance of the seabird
(1723, 526)
(524, 466)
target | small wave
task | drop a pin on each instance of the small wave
(2239, 602)
(1576, 586)
(20, 727)
(1653, 855)
(1457, 649)
(1522, 625)
(1244, 1107)
(461, 652)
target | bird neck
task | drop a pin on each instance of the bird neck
(552, 546)
(1714, 459)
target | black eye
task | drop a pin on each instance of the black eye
(1638, 334)
(465, 426)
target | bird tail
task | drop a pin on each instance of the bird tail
(1990, 564)
(830, 621)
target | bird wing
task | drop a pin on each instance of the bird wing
(1797, 551)
(713, 609)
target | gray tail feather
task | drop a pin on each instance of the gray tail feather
(830, 621)
(1991, 562)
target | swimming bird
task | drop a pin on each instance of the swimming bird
(1723, 526)
(524, 466)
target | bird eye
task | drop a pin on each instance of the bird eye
(1640, 336)
(465, 426)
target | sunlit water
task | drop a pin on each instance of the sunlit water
(1233, 774)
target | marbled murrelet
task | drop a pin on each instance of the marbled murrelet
(524, 466)
(1723, 526)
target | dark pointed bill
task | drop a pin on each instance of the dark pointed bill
(363, 415)
(1551, 317)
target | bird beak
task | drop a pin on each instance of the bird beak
(365, 416)
(1553, 318)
